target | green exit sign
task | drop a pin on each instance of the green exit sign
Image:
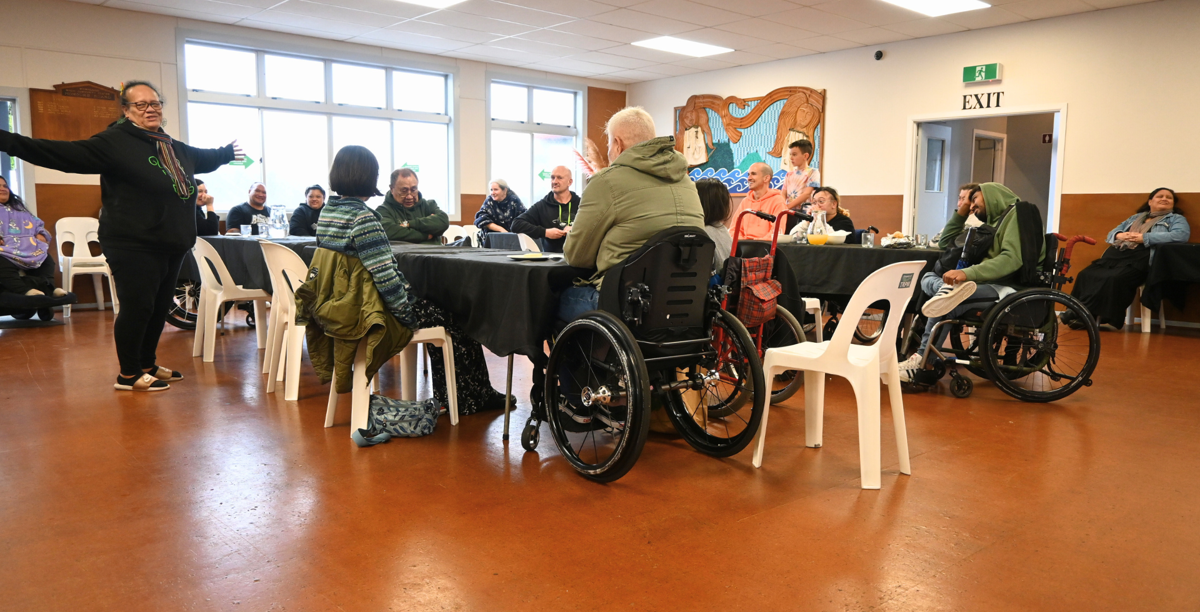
(983, 73)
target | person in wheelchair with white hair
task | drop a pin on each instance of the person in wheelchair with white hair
(978, 286)
(643, 191)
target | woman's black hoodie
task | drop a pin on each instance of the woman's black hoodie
(141, 210)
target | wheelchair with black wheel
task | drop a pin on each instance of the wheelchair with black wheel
(659, 337)
(1036, 345)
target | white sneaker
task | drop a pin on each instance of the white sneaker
(947, 298)
(908, 366)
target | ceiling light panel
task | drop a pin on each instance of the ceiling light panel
(937, 8)
(434, 4)
(671, 44)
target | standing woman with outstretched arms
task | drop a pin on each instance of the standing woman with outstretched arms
(148, 219)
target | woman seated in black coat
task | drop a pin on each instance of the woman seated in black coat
(305, 217)
(825, 199)
(1108, 285)
(207, 221)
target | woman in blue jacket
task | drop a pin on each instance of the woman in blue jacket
(1108, 285)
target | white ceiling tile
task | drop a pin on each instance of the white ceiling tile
(632, 76)
(689, 12)
(781, 51)
(383, 7)
(818, 21)
(873, 36)
(670, 69)
(500, 53)
(929, 26)
(743, 58)
(871, 12)
(99, 2)
(1106, 4)
(644, 22)
(317, 24)
(769, 30)
(573, 63)
(337, 13)
(438, 30)
(574, 41)
(510, 12)
(723, 38)
(574, 8)
(704, 64)
(751, 8)
(826, 44)
(642, 53)
(475, 22)
(416, 42)
(290, 29)
(621, 3)
(984, 18)
(258, 4)
(602, 31)
(530, 46)
(193, 9)
(1041, 9)
(628, 63)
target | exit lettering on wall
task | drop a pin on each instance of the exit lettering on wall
(982, 100)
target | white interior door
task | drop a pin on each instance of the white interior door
(933, 152)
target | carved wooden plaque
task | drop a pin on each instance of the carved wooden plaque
(73, 111)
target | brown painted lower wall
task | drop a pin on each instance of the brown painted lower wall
(469, 204)
(883, 211)
(57, 201)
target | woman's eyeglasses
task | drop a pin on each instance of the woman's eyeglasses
(142, 106)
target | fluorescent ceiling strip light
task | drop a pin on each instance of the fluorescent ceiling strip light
(937, 8)
(434, 4)
(670, 44)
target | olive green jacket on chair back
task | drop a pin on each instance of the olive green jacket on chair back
(340, 306)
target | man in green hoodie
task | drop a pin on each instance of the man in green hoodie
(982, 284)
(645, 190)
(406, 216)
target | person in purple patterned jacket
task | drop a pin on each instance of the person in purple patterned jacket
(24, 247)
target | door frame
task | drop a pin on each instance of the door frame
(1003, 138)
(24, 127)
(1056, 168)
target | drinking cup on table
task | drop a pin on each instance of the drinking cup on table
(868, 239)
(922, 241)
(246, 231)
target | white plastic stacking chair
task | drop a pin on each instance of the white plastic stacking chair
(1146, 314)
(528, 243)
(79, 231)
(285, 338)
(360, 393)
(437, 336)
(452, 233)
(813, 306)
(473, 233)
(863, 366)
(216, 288)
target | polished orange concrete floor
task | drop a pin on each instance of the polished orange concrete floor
(217, 496)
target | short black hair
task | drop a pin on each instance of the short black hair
(355, 172)
(714, 198)
(317, 188)
(399, 172)
(805, 146)
(199, 182)
(1175, 209)
(125, 87)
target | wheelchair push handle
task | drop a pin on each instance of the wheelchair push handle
(1065, 254)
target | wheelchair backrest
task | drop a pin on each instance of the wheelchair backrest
(753, 248)
(661, 290)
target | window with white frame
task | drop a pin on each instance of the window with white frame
(291, 115)
(534, 130)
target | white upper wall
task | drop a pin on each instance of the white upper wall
(1128, 76)
(47, 42)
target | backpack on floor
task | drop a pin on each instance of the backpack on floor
(392, 418)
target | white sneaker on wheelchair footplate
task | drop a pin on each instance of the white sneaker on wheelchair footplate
(947, 298)
(908, 366)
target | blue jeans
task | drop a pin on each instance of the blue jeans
(931, 283)
(984, 296)
(577, 300)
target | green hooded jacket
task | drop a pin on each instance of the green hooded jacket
(644, 191)
(1003, 260)
(424, 219)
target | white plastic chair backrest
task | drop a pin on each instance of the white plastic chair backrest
(454, 232)
(528, 243)
(78, 231)
(287, 270)
(894, 283)
(473, 233)
(205, 251)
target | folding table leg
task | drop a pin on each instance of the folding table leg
(508, 397)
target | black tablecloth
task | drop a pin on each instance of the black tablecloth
(506, 305)
(243, 257)
(1174, 267)
(834, 271)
